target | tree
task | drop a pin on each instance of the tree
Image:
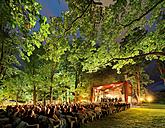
(100, 36)
(17, 31)
(138, 77)
(55, 46)
(31, 68)
(121, 34)
(86, 38)
(161, 68)
(15, 87)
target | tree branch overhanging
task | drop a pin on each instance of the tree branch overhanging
(138, 56)
(141, 55)
(67, 29)
(139, 18)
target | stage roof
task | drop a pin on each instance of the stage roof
(110, 86)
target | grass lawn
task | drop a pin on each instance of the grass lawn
(147, 116)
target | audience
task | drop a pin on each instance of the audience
(58, 115)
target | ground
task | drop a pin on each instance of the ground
(148, 116)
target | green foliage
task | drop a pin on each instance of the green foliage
(18, 32)
(135, 74)
(21, 16)
(120, 32)
(86, 38)
(16, 86)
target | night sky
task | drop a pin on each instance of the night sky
(53, 7)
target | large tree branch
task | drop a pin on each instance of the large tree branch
(141, 55)
(67, 29)
(138, 56)
(144, 14)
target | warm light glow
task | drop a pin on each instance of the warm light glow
(99, 87)
(149, 99)
(86, 101)
(109, 96)
(106, 90)
(141, 99)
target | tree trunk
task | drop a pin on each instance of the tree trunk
(69, 98)
(66, 97)
(78, 72)
(17, 98)
(51, 89)
(2, 73)
(76, 80)
(75, 97)
(2, 49)
(161, 68)
(76, 85)
(34, 95)
(51, 94)
(138, 83)
(2, 67)
(126, 88)
(1, 70)
(44, 103)
(51, 80)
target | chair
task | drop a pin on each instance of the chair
(4, 120)
(33, 126)
(72, 120)
(8, 126)
(56, 126)
(22, 124)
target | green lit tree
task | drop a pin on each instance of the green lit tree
(121, 32)
(16, 87)
(138, 78)
(18, 34)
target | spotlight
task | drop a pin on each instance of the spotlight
(149, 99)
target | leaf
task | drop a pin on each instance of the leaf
(38, 44)
(29, 53)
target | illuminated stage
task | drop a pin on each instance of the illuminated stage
(119, 90)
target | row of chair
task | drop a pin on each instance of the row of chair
(89, 113)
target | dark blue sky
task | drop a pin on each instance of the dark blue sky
(53, 7)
